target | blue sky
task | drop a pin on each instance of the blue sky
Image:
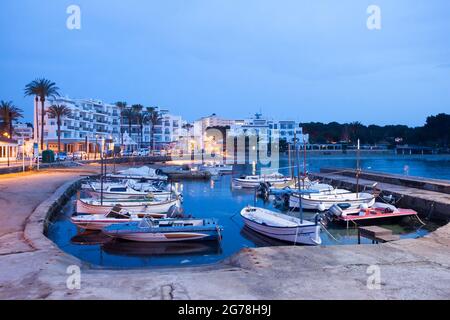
(305, 60)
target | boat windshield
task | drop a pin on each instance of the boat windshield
(146, 223)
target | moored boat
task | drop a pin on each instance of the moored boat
(97, 206)
(255, 181)
(281, 226)
(378, 211)
(166, 230)
(144, 172)
(323, 201)
(116, 216)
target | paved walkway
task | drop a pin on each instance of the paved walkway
(20, 194)
(412, 268)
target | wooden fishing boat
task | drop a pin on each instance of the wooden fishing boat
(144, 172)
(255, 181)
(281, 226)
(97, 206)
(323, 201)
(116, 216)
(166, 230)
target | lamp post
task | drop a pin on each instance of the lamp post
(6, 135)
(95, 150)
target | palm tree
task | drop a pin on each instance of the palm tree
(8, 114)
(154, 116)
(59, 111)
(42, 88)
(141, 119)
(121, 105)
(129, 114)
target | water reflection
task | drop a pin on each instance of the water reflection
(128, 248)
(260, 240)
(91, 237)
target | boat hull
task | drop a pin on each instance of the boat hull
(166, 236)
(160, 196)
(316, 203)
(254, 184)
(86, 208)
(308, 235)
(91, 222)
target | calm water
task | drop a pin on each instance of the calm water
(217, 199)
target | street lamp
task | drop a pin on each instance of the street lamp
(95, 151)
(6, 135)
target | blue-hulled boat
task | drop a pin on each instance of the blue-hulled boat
(166, 230)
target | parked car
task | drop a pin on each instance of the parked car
(79, 155)
(61, 156)
(125, 153)
(144, 152)
(40, 158)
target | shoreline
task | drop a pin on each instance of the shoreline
(249, 274)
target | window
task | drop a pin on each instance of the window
(118, 189)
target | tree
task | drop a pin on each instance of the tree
(129, 114)
(154, 116)
(8, 114)
(121, 105)
(42, 88)
(59, 111)
(141, 119)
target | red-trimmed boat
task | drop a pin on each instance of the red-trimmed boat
(379, 211)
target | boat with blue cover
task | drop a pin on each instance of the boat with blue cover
(166, 230)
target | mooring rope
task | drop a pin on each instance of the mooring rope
(325, 229)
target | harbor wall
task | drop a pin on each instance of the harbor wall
(436, 185)
(39, 220)
(437, 208)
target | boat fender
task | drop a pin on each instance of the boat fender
(321, 207)
(364, 207)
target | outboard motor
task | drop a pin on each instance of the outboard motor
(175, 212)
(335, 210)
(264, 190)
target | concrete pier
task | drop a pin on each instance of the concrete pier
(429, 197)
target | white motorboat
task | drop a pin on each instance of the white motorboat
(144, 172)
(281, 226)
(123, 191)
(324, 200)
(116, 215)
(97, 206)
(166, 230)
(217, 167)
(255, 181)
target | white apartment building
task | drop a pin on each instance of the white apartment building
(264, 128)
(22, 131)
(167, 131)
(92, 123)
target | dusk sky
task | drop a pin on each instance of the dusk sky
(292, 59)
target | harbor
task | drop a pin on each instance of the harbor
(224, 150)
(240, 254)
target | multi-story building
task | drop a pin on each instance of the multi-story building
(22, 131)
(92, 123)
(269, 129)
(167, 130)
